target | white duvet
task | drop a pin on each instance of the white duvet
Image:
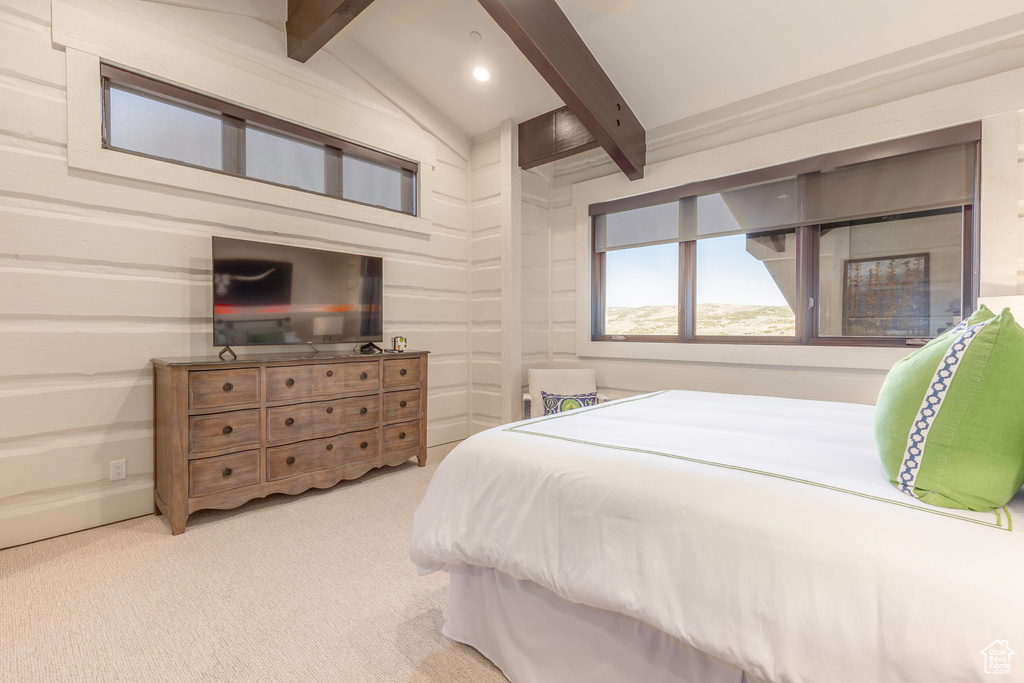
(760, 530)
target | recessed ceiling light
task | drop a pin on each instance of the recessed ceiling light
(474, 36)
(481, 74)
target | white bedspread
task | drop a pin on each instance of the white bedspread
(759, 530)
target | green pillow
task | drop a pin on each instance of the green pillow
(557, 403)
(949, 422)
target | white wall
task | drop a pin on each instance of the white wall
(485, 280)
(100, 272)
(536, 273)
(829, 374)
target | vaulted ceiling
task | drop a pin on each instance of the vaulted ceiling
(669, 59)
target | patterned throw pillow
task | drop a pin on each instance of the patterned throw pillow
(556, 403)
(949, 423)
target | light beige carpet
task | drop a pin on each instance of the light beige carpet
(315, 587)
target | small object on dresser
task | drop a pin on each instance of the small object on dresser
(399, 344)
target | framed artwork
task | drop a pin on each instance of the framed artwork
(886, 296)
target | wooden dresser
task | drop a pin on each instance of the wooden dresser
(231, 431)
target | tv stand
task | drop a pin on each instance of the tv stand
(227, 349)
(370, 347)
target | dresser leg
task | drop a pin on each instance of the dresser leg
(421, 459)
(156, 510)
(178, 523)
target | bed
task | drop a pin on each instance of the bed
(713, 538)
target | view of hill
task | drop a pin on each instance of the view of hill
(712, 319)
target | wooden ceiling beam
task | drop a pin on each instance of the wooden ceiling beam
(553, 136)
(549, 41)
(311, 23)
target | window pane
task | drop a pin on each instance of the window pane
(143, 124)
(642, 290)
(284, 160)
(898, 276)
(371, 183)
(746, 285)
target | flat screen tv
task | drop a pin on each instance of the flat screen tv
(276, 294)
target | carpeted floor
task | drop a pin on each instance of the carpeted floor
(316, 587)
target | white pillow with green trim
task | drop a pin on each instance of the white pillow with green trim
(949, 422)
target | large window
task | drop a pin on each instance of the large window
(871, 246)
(154, 119)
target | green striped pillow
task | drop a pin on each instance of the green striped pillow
(949, 422)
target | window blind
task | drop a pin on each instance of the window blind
(932, 179)
(659, 224)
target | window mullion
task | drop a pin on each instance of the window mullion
(106, 113)
(687, 288)
(969, 296)
(332, 171)
(597, 277)
(807, 279)
(233, 145)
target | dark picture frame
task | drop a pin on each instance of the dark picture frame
(887, 296)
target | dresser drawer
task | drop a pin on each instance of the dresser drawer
(222, 388)
(346, 378)
(402, 436)
(223, 473)
(308, 381)
(323, 418)
(401, 372)
(318, 454)
(223, 430)
(289, 382)
(401, 405)
(298, 458)
(360, 445)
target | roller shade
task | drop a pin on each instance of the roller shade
(658, 224)
(932, 179)
(775, 204)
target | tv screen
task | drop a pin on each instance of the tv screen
(276, 294)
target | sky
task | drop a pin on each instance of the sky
(726, 274)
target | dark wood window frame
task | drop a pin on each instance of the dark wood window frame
(234, 119)
(807, 245)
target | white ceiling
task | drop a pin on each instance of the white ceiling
(670, 59)
(427, 43)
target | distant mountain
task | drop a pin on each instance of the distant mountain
(712, 320)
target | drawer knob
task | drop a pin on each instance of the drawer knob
(402, 404)
(362, 375)
(403, 372)
(363, 445)
(330, 373)
(401, 435)
(362, 411)
(228, 386)
(330, 410)
(289, 422)
(227, 471)
(290, 460)
(330, 446)
(289, 382)
(227, 430)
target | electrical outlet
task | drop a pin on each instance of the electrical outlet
(118, 469)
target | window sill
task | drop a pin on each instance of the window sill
(801, 356)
